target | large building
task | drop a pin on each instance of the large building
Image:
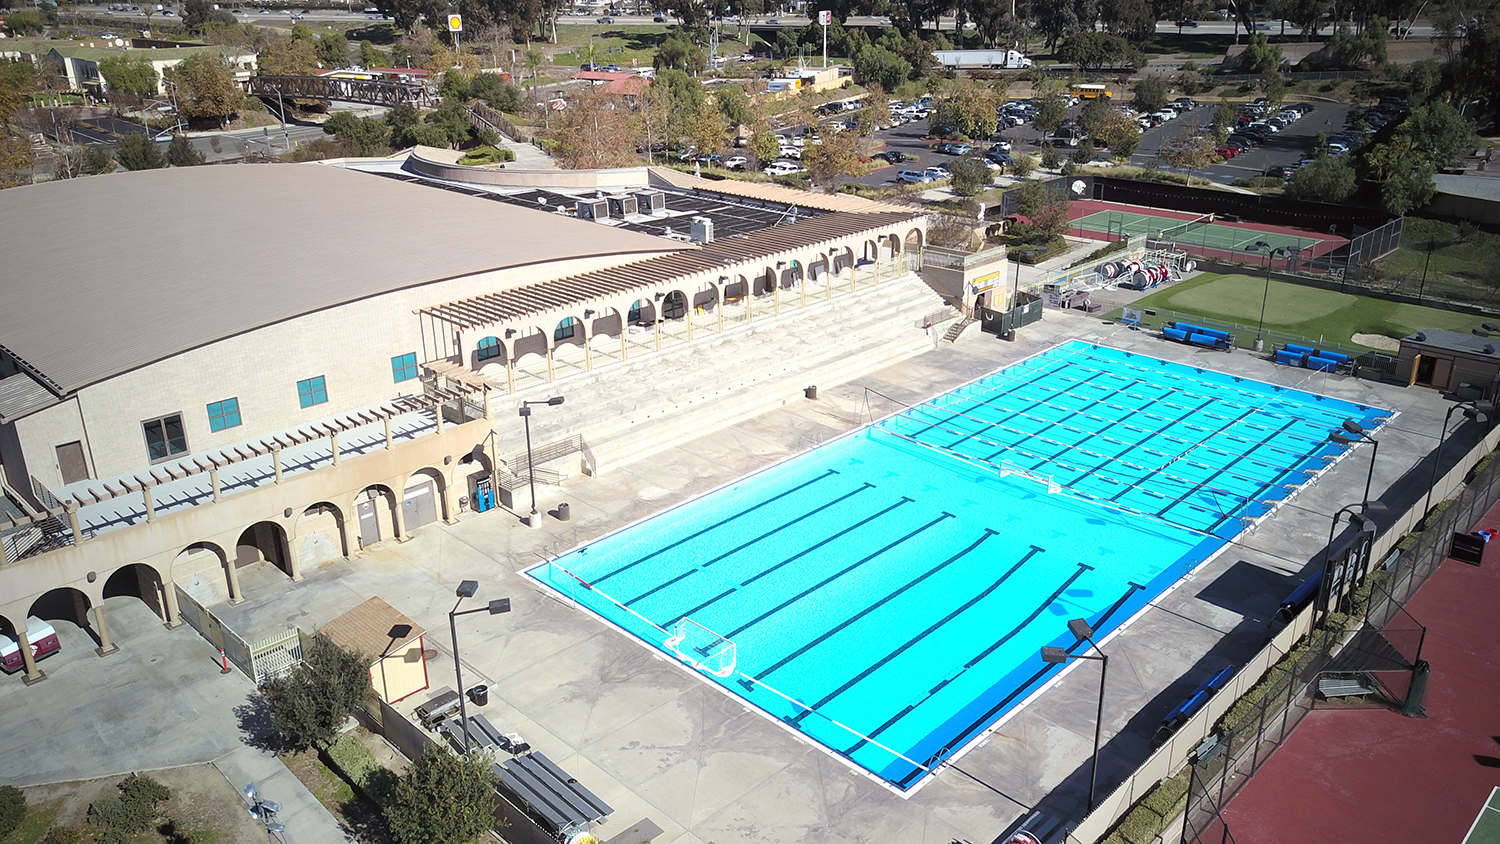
(289, 363)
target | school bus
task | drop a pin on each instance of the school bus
(1090, 91)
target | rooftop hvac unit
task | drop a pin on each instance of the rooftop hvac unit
(703, 230)
(651, 201)
(592, 209)
(621, 206)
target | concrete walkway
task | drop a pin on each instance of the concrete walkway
(528, 157)
(304, 818)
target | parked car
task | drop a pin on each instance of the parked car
(913, 176)
(1000, 146)
(891, 156)
(43, 641)
(1184, 103)
(1283, 172)
(1000, 158)
(784, 168)
(948, 148)
(736, 162)
(938, 171)
(1228, 151)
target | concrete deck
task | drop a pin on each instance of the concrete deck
(657, 742)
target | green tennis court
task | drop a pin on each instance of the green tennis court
(1486, 828)
(1202, 232)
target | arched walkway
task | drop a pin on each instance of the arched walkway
(263, 542)
(675, 321)
(139, 580)
(66, 607)
(569, 347)
(210, 562)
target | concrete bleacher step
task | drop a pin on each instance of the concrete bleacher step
(627, 411)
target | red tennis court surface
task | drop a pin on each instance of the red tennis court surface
(1373, 775)
(1078, 209)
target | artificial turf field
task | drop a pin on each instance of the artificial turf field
(1325, 316)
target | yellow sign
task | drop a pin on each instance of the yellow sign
(455, 23)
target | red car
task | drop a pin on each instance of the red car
(1228, 152)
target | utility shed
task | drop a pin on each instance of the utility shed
(391, 640)
(1465, 364)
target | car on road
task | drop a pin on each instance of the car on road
(773, 22)
(949, 148)
(658, 18)
(891, 156)
(937, 171)
(605, 19)
(736, 162)
(1191, 24)
(783, 168)
(1263, 27)
(913, 177)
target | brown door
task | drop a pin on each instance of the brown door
(70, 461)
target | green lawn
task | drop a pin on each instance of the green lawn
(1319, 315)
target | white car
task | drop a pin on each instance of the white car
(791, 152)
(1165, 115)
(736, 162)
(783, 168)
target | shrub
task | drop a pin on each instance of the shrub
(352, 759)
(1051, 158)
(115, 814)
(486, 155)
(63, 835)
(1150, 816)
(137, 788)
(12, 808)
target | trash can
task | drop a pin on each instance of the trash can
(811, 392)
(480, 695)
(563, 512)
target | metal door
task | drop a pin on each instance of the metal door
(369, 523)
(419, 505)
(71, 462)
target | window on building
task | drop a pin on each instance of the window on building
(404, 367)
(564, 330)
(312, 391)
(488, 348)
(165, 437)
(635, 312)
(224, 414)
(674, 306)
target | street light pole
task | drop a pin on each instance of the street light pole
(1364, 437)
(1085, 633)
(466, 589)
(534, 520)
(1265, 249)
(1479, 411)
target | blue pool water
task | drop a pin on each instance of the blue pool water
(888, 593)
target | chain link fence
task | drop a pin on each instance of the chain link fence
(1250, 734)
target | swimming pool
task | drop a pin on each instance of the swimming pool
(888, 593)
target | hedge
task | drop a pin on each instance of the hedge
(1150, 816)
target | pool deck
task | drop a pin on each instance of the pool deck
(656, 742)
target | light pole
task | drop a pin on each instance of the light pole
(1325, 587)
(1267, 254)
(535, 519)
(1085, 633)
(1364, 437)
(1478, 411)
(466, 589)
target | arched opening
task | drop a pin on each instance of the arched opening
(203, 571)
(138, 580)
(375, 510)
(530, 359)
(321, 534)
(674, 325)
(489, 351)
(424, 500)
(891, 244)
(262, 542)
(843, 260)
(790, 294)
(640, 326)
(67, 610)
(913, 250)
(478, 479)
(604, 329)
(568, 340)
(736, 301)
(765, 284)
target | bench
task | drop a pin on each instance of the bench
(1332, 687)
(1207, 750)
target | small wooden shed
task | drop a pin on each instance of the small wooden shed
(391, 640)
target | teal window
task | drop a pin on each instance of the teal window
(404, 367)
(635, 312)
(564, 330)
(224, 414)
(675, 305)
(312, 391)
(488, 348)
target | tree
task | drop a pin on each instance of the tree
(288, 57)
(1404, 174)
(12, 808)
(1128, 17)
(311, 703)
(182, 153)
(403, 122)
(445, 127)
(1098, 50)
(16, 161)
(129, 75)
(833, 160)
(1188, 152)
(1095, 115)
(197, 14)
(1225, 119)
(443, 799)
(333, 49)
(879, 66)
(764, 146)
(1327, 179)
(494, 90)
(969, 111)
(97, 160)
(970, 176)
(594, 132)
(1121, 134)
(1050, 113)
(678, 53)
(1442, 134)
(26, 22)
(1023, 166)
(17, 79)
(1260, 55)
(138, 152)
(1150, 95)
(735, 105)
(454, 85)
(206, 89)
(371, 55)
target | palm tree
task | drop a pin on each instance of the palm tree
(533, 59)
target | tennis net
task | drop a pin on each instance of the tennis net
(1180, 231)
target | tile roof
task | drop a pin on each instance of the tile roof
(369, 628)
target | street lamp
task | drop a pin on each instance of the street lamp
(1268, 253)
(1478, 411)
(1325, 587)
(466, 589)
(1085, 633)
(1364, 437)
(535, 519)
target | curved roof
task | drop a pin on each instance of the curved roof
(110, 273)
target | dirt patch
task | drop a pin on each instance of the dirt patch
(360, 818)
(1378, 341)
(204, 806)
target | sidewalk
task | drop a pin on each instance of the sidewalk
(305, 819)
(528, 157)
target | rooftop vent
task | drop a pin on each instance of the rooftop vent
(703, 230)
(651, 201)
(592, 209)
